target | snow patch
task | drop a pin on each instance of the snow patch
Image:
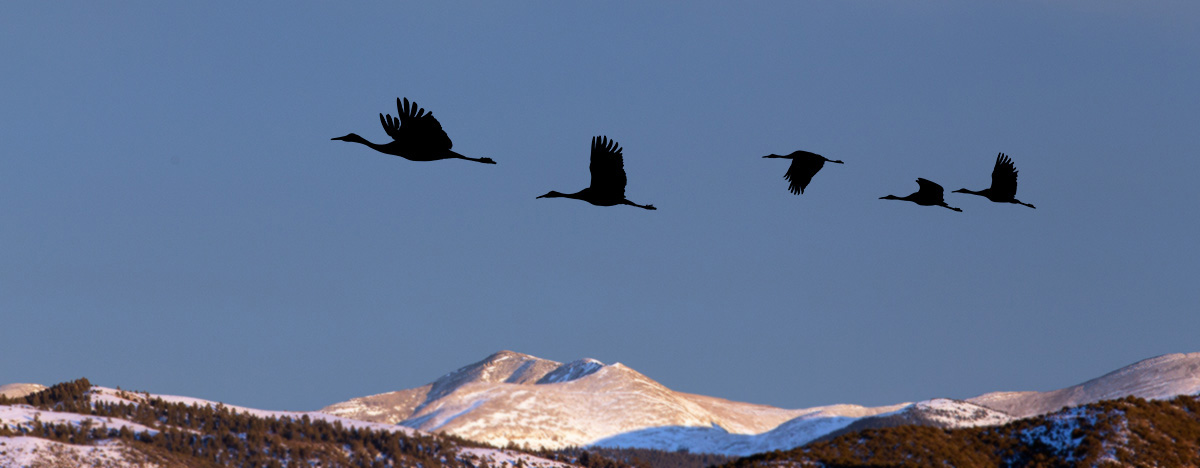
(955, 413)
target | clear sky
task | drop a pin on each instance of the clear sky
(174, 217)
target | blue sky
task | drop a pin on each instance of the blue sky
(176, 219)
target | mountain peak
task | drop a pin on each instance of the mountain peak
(500, 367)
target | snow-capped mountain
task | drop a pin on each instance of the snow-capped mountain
(516, 398)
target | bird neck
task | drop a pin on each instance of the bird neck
(354, 138)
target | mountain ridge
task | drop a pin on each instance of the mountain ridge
(1169, 375)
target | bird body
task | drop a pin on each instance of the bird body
(608, 177)
(804, 166)
(1004, 183)
(416, 136)
(928, 194)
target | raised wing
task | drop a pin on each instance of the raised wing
(1004, 177)
(608, 168)
(930, 189)
(804, 166)
(413, 126)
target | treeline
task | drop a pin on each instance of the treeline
(195, 435)
(605, 457)
(1130, 431)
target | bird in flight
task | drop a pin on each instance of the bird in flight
(1004, 183)
(416, 136)
(929, 194)
(804, 166)
(608, 177)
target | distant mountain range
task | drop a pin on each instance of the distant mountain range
(520, 399)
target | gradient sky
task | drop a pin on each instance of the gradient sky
(174, 217)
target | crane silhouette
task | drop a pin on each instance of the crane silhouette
(804, 166)
(608, 177)
(929, 194)
(1004, 183)
(416, 136)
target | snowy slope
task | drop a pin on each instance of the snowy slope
(24, 415)
(1155, 378)
(939, 412)
(31, 451)
(947, 413)
(28, 451)
(393, 407)
(803, 429)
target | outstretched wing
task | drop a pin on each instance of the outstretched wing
(1004, 177)
(414, 126)
(930, 189)
(608, 168)
(804, 166)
